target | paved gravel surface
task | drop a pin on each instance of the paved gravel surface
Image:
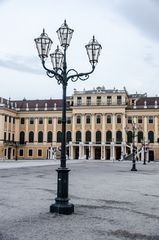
(111, 202)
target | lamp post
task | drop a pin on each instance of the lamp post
(62, 75)
(145, 145)
(134, 134)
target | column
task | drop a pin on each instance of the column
(71, 152)
(145, 128)
(83, 128)
(17, 123)
(93, 128)
(55, 130)
(103, 152)
(113, 127)
(122, 152)
(112, 151)
(135, 138)
(103, 128)
(45, 130)
(123, 127)
(80, 151)
(73, 128)
(36, 131)
(26, 129)
(156, 129)
(1, 128)
(91, 153)
(7, 131)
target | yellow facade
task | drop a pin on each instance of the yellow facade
(96, 126)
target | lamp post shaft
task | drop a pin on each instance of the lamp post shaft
(133, 161)
(64, 88)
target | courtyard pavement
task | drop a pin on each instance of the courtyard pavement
(111, 202)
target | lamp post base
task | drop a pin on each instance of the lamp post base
(134, 169)
(67, 208)
(62, 205)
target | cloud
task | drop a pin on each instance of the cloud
(20, 63)
(142, 14)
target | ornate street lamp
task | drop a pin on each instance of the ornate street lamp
(62, 75)
(134, 134)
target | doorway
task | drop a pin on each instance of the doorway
(151, 155)
(76, 152)
(108, 153)
(98, 153)
(118, 153)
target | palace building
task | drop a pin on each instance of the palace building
(101, 124)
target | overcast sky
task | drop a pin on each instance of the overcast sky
(128, 31)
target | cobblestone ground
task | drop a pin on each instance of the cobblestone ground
(111, 202)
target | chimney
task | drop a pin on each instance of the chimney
(45, 107)
(145, 104)
(55, 106)
(27, 107)
(36, 108)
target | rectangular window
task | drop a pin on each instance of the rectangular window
(49, 120)
(5, 118)
(59, 120)
(39, 152)
(129, 119)
(31, 121)
(109, 99)
(30, 152)
(22, 120)
(139, 119)
(21, 152)
(88, 100)
(68, 120)
(13, 137)
(150, 119)
(10, 119)
(98, 100)
(9, 137)
(14, 120)
(119, 100)
(79, 101)
(40, 120)
(5, 135)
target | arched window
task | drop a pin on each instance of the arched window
(59, 136)
(129, 137)
(88, 119)
(88, 136)
(98, 137)
(118, 136)
(49, 137)
(151, 136)
(68, 137)
(40, 137)
(108, 136)
(98, 119)
(118, 119)
(31, 136)
(78, 136)
(22, 137)
(109, 120)
(140, 136)
(78, 119)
